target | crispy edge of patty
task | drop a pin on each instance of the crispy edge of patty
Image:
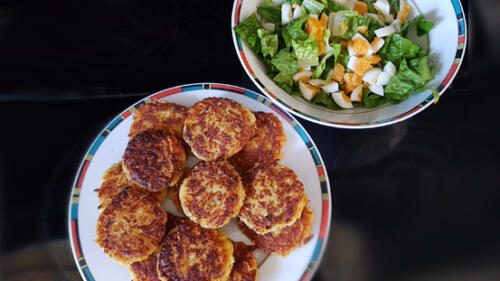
(281, 191)
(285, 240)
(201, 182)
(264, 146)
(245, 264)
(208, 124)
(154, 160)
(141, 221)
(160, 115)
(185, 240)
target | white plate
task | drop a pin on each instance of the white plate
(300, 154)
(447, 44)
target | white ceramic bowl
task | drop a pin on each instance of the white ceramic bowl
(447, 44)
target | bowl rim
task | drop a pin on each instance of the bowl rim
(443, 86)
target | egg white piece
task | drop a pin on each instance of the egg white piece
(302, 74)
(377, 44)
(377, 89)
(383, 7)
(371, 76)
(331, 87)
(353, 52)
(342, 100)
(357, 94)
(397, 25)
(385, 31)
(286, 13)
(308, 91)
(383, 79)
(317, 82)
(390, 68)
(297, 12)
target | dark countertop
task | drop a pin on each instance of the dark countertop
(417, 200)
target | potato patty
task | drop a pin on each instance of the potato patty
(285, 240)
(264, 146)
(154, 160)
(114, 181)
(145, 270)
(274, 198)
(218, 128)
(161, 116)
(212, 194)
(131, 227)
(192, 253)
(245, 265)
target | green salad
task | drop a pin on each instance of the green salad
(340, 54)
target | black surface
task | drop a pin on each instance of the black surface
(417, 200)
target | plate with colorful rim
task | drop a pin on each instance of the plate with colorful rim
(299, 153)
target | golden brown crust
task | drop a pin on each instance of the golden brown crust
(212, 194)
(245, 265)
(114, 181)
(274, 198)
(218, 128)
(131, 227)
(173, 191)
(154, 160)
(285, 240)
(145, 270)
(264, 146)
(190, 252)
(159, 116)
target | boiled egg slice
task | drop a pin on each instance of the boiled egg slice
(377, 44)
(331, 87)
(383, 7)
(302, 76)
(385, 31)
(390, 68)
(286, 13)
(383, 79)
(357, 94)
(371, 76)
(342, 99)
(359, 46)
(359, 65)
(308, 91)
(377, 89)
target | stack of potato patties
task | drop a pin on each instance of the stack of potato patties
(238, 176)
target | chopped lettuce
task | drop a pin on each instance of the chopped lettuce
(394, 6)
(285, 62)
(269, 42)
(423, 26)
(335, 51)
(270, 13)
(325, 99)
(314, 7)
(247, 29)
(306, 51)
(335, 7)
(397, 48)
(293, 2)
(371, 8)
(294, 31)
(372, 25)
(371, 100)
(345, 24)
(409, 79)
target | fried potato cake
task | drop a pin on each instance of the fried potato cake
(161, 116)
(145, 270)
(192, 253)
(218, 128)
(173, 191)
(114, 181)
(154, 160)
(212, 194)
(274, 198)
(284, 241)
(131, 227)
(245, 265)
(264, 146)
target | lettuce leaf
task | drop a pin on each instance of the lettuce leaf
(285, 62)
(423, 26)
(398, 48)
(294, 31)
(314, 7)
(371, 100)
(372, 24)
(247, 29)
(394, 6)
(335, 51)
(335, 7)
(325, 99)
(270, 13)
(293, 2)
(371, 8)
(345, 24)
(269, 42)
(306, 51)
(408, 80)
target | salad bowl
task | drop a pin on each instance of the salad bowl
(444, 44)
